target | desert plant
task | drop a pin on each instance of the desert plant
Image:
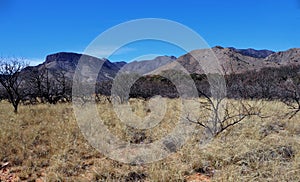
(121, 86)
(12, 79)
(224, 113)
(290, 96)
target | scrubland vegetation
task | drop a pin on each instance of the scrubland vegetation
(249, 133)
(43, 143)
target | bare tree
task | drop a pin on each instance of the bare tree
(35, 82)
(41, 84)
(50, 90)
(3, 94)
(121, 86)
(223, 113)
(12, 80)
(290, 95)
(51, 85)
(62, 84)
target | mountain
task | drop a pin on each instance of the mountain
(253, 53)
(67, 62)
(120, 64)
(146, 66)
(291, 56)
(231, 60)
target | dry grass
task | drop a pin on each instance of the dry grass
(43, 142)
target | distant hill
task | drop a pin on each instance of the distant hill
(256, 70)
(253, 53)
(146, 66)
(289, 57)
(67, 62)
(233, 60)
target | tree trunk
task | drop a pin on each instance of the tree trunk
(15, 108)
(16, 104)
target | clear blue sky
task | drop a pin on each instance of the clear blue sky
(36, 28)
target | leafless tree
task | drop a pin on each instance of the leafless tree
(12, 79)
(42, 85)
(51, 85)
(62, 83)
(290, 95)
(3, 94)
(121, 86)
(35, 81)
(223, 113)
(224, 116)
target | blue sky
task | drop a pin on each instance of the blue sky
(34, 28)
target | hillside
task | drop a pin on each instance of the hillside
(146, 66)
(253, 53)
(67, 62)
(289, 57)
(233, 60)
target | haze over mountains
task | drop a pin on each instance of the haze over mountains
(232, 60)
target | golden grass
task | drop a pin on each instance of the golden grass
(43, 142)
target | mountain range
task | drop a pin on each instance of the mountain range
(232, 60)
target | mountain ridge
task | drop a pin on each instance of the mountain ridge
(232, 60)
